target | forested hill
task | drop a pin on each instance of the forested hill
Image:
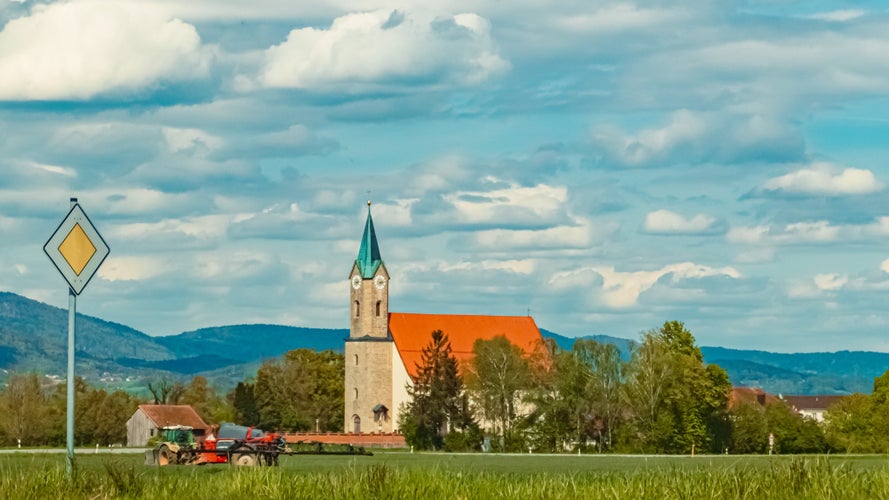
(33, 337)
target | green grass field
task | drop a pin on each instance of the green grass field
(432, 475)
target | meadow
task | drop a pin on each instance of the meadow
(436, 475)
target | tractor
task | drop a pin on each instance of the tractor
(236, 444)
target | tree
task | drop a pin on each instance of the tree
(678, 403)
(651, 374)
(206, 401)
(24, 410)
(244, 404)
(303, 389)
(438, 405)
(165, 391)
(604, 386)
(498, 377)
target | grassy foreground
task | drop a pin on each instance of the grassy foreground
(402, 475)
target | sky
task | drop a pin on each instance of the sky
(604, 166)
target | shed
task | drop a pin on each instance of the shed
(149, 418)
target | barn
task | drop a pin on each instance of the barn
(147, 419)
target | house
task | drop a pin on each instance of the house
(812, 407)
(383, 348)
(147, 419)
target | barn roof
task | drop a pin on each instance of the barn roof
(412, 332)
(168, 415)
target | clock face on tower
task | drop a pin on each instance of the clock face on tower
(380, 282)
(356, 282)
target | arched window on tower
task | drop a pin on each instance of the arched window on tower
(357, 309)
(356, 360)
(356, 424)
(379, 304)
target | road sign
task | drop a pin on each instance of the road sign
(77, 249)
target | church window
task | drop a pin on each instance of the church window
(356, 360)
(357, 309)
(379, 303)
(356, 393)
(356, 421)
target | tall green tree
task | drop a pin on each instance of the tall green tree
(243, 403)
(678, 403)
(300, 391)
(438, 405)
(604, 387)
(498, 377)
(206, 401)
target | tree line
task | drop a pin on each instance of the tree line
(302, 391)
(663, 399)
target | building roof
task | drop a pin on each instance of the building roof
(801, 403)
(412, 332)
(169, 415)
(369, 259)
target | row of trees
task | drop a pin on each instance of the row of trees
(299, 392)
(664, 399)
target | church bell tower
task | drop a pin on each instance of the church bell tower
(369, 347)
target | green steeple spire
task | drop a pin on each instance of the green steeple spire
(369, 259)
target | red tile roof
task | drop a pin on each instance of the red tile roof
(167, 415)
(412, 332)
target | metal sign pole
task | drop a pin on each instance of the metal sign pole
(72, 312)
(69, 408)
(77, 250)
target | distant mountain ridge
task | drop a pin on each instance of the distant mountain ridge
(33, 337)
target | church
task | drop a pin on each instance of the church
(384, 348)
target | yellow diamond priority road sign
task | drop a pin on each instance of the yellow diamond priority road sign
(77, 249)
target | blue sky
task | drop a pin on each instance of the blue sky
(607, 166)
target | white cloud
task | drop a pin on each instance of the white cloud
(823, 179)
(830, 281)
(885, 266)
(190, 140)
(797, 232)
(808, 232)
(77, 50)
(132, 268)
(666, 222)
(838, 15)
(622, 289)
(694, 137)
(363, 51)
(541, 202)
(580, 236)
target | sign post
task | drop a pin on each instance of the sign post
(77, 250)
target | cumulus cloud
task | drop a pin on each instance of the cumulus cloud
(885, 266)
(78, 50)
(825, 179)
(667, 222)
(808, 232)
(695, 137)
(363, 51)
(622, 289)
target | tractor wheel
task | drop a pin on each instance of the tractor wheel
(165, 456)
(244, 459)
